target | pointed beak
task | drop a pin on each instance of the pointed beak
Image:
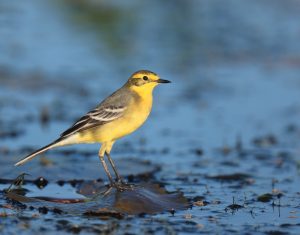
(162, 81)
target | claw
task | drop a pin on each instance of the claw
(121, 186)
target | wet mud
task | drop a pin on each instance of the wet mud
(105, 200)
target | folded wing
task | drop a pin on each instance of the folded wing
(109, 110)
(96, 117)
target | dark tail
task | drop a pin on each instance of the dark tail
(39, 151)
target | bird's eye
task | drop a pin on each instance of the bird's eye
(145, 78)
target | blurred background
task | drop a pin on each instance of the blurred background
(234, 68)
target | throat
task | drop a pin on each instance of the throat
(144, 92)
(143, 101)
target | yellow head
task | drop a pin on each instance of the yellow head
(144, 81)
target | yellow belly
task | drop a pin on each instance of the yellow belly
(135, 115)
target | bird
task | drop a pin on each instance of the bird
(120, 114)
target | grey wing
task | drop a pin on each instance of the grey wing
(110, 109)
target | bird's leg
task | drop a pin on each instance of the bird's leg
(101, 156)
(105, 149)
(119, 179)
(108, 147)
(107, 171)
(120, 185)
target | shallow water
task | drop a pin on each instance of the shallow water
(225, 132)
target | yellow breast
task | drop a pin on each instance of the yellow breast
(135, 115)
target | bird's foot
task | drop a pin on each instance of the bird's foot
(122, 186)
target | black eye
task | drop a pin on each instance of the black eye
(145, 78)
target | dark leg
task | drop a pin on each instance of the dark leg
(120, 185)
(106, 170)
(114, 167)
